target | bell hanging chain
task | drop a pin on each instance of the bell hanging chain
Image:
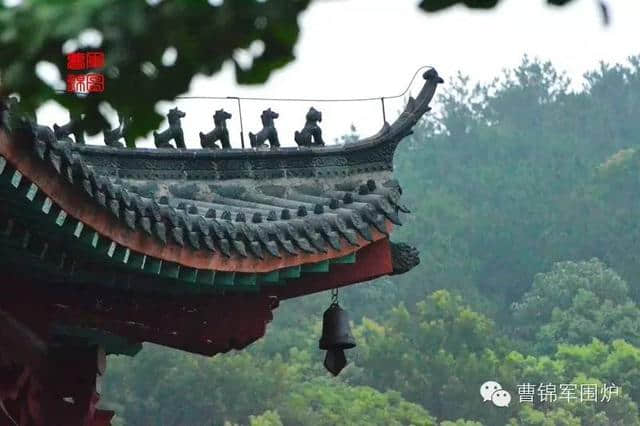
(334, 296)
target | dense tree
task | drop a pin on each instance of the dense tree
(437, 354)
(268, 418)
(576, 302)
(325, 402)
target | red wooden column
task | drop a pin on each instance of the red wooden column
(47, 385)
(68, 385)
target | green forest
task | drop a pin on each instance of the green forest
(524, 205)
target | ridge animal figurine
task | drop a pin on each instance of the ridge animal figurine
(268, 131)
(173, 132)
(311, 130)
(42, 133)
(219, 132)
(6, 105)
(73, 127)
(112, 137)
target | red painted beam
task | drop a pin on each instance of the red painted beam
(206, 325)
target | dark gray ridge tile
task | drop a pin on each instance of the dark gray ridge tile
(202, 226)
(230, 230)
(110, 189)
(80, 167)
(208, 243)
(289, 247)
(333, 239)
(247, 231)
(125, 198)
(130, 218)
(101, 198)
(272, 248)
(86, 186)
(238, 202)
(260, 233)
(351, 237)
(224, 247)
(321, 224)
(217, 229)
(239, 246)
(145, 224)
(170, 216)
(67, 157)
(177, 234)
(304, 244)
(298, 195)
(274, 201)
(186, 221)
(153, 208)
(40, 149)
(194, 239)
(256, 249)
(160, 231)
(55, 160)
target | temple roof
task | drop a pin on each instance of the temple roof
(138, 243)
(286, 219)
(180, 213)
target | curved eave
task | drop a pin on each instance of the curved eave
(110, 200)
(74, 206)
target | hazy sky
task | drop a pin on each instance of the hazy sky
(356, 48)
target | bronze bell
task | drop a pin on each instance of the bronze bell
(336, 337)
